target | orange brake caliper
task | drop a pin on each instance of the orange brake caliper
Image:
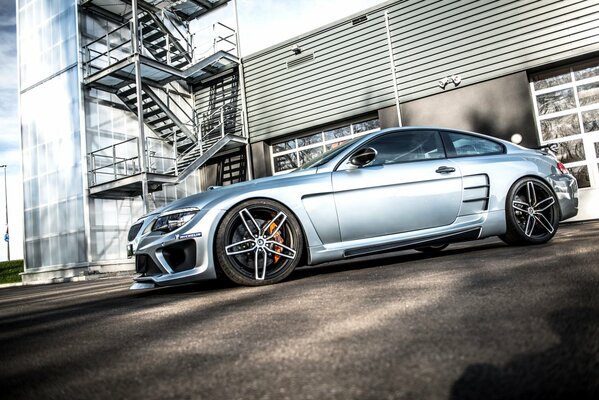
(277, 238)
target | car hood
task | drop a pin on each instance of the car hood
(211, 198)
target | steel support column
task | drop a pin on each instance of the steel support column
(244, 116)
(140, 111)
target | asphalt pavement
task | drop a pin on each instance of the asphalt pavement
(480, 321)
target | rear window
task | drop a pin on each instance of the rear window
(467, 145)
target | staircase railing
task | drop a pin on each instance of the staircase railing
(121, 160)
(175, 22)
(218, 36)
(116, 44)
(190, 115)
(95, 60)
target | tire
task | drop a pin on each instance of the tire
(259, 242)
(432, 249)
(532, 213)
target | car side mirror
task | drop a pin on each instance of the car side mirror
(363, 157)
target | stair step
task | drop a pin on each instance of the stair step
(165, 127)
(145, 17)
(153, 113)
(128, 92)
(157, 120)
(154, 36)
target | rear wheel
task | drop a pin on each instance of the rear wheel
(259, 242)
(532, 213)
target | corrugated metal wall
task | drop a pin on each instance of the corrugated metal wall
(482, 40)
(350, 73)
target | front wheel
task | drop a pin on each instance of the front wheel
(259, 242)
(532, 213)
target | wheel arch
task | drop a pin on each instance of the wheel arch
(258, 198)
(543, 179)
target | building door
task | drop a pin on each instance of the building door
(566, 102)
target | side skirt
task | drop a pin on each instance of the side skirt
(463, 236)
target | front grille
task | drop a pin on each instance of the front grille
(146, 266)
(134, 230)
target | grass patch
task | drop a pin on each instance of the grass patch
(10, 270)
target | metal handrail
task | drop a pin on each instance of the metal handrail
(115, 166)
(168, 15)
(106, 38)
(189, 118)
(108, 33)
(113, 145)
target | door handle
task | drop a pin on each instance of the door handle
(445, 170)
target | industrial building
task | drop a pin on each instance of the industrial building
(129, 104)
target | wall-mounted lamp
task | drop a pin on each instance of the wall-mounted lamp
(296, 49)
(456, 79)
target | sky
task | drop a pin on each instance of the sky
(262, 23)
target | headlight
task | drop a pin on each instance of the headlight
(171, 220)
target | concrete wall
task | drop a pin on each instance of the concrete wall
(500, 107)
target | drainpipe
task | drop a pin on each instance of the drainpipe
(393, 70)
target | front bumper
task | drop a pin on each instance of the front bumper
(182, 256)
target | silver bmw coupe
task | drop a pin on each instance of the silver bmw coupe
(395, 189)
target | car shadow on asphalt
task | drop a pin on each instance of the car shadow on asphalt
(388, 259)
(568, 370)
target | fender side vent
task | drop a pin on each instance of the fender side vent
(296, 62)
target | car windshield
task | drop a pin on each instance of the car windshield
(326, 156)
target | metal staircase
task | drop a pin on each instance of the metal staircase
(160, 117)
(167, 68)
(164, 46)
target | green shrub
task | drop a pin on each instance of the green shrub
(10, 270)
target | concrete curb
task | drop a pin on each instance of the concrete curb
(78, 278)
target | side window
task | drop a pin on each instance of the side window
(407, 146)
(467, 145)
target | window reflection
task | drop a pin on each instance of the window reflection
(582, 176)
(310, 154)
(587, 70)
(47, 35)
(285, 162)
(590, 120)
(588, 94)
(308, 140)
(552, 78)
(556, 101)
(308, 147)
(337, 133)
(559, 127)
(53, 184)
(570, 151)
(367, 125)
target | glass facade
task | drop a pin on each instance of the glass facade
(290, 154)
(567, 111)
(51, 137)
(110, 126)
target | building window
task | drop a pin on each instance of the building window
(290, 154)
(566, 102)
